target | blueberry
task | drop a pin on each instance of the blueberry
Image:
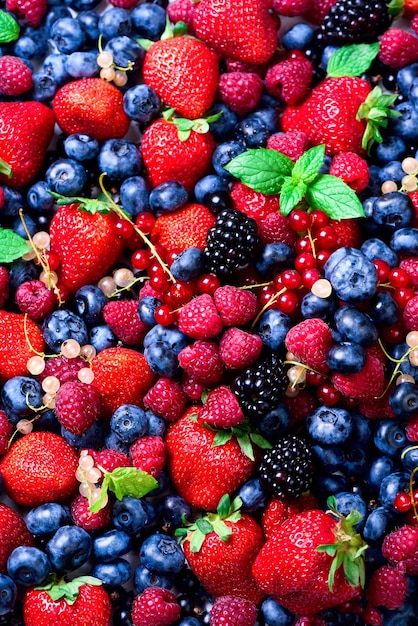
(406, 76)
(405, 366)
(82, 64)
(383, 309)
(188, 264)
(405, 241)
(252, 495)
(90, 302)
(67, 35)
(224, 126)
(404, 399)
(111, 545)
(141, 103)
(393, 210)
(134, 195)
(62, 325)
(391, 485)
(119, 158)
(377, 249)
(146, 309)
(172, 509)
(91, 438)
(345, 502)
(380, 467)
(329, 425)
(81, 147)
(338, 256)
(8, 594)
(377, 525)
(223, 154)
(38, 197)
(115, 22)
(167, 197)
(327, 485)
(314, 306)
(118, 572)
(361, 429)
(13, 202)
(161, 554)
(346, 358)
(353, 277)
(405, 126)
(273, 258)
(391, 171)
(47, 518)
(89, 21)
(161, 359)
(273, 327)
(275, 614)
(130, 515)
(355, 325)
(55, 13)
(83, 5)
(28, 566)
(149, 21)
(66, 176)
(101, 337)
(208, 185)
(327, 54)
(113, 442)
(390, 437)
(275, 423)
(128, 423)
(55, 66)
(144, 578)
(69, 548)
(167, 334)
(20, 230)
(126, 52)
(44, 87)
(392, 148)
(156, 425)
(20, 395)
(252, 131)
(267, 113)
(409, 458)
(297, 37)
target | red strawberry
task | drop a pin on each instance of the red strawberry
(89, 605)
(86, 244)
(240, 91)
(27, 129)
(290, 568)
(15, 76)
(278, 511)
(122, 376)
(30, 12)
(310, 341)
(123, 320)
(241, 29)
(6, 429)
(40, 467)
(223, 557)
(167, 157)
(15, 347)
(184, 228)
(201, 471)
(398, 48)
(184, 72)
(221, 409)
(13, 533)
(253, 203)
(92, 106)
(290, 79)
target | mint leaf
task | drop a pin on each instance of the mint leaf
(261, 169)
(129, 481)
(308, 165)
(9, 28)
(291, 193)
(95, 508)
(334, 197)
(352, 60)
(12, 246)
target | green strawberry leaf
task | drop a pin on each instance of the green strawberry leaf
(224, 506)
(260, 441)
(329, 548)
(334, 197)
(291, 194)
(145, 43)
(261, 169)
(351, 572)
(308, 165)
(221, 438)
(196, 540)
(68, 590)
(352, 60)
(222, 530)
(244, 443)
(179, 29)
(9, 28)
(395, 8)
(375, 110)
(12, 246)
(204, 526)
(5, 167)
(336, 563)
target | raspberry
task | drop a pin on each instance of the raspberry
(387, 588)
(110, 459)
(1, 198)
(181, 11)
(148, 454)
(15, 76)
(199, 318)
(410, 266)
(411, 429)
(185, 228)
(400, 547)
(221, 409)
(352, 169)
(201, 362)
(6, 429)
(123, 320)
(376, 408)
(239, 349)
(293, 143)
(368, 383)
(317, 10)
(310, 341)
(275, 227)
(233, 611)
(124, 4)
(84, 518)
(64, 369)
(398, 48)
(278, 511)
(289, 80)
(348, 233)
(191, 387)
(410, 314)
(253, 203)
(240, 91)
(166, 399)
(35, 299)
(236, 306)
(235, 65)
(155, 606)
(4, 283)
(414, 23)
(30, 12)
(290, 8)
(77, 406)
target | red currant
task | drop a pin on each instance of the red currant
(403, 295)
(299, 221)
(123, 229)
(288, 302)
(164, 315)
(179, 293)
(145, 222)
(393, 334)
(402, 502)
(314, 379)
(159, 282)
(398, 277)
(383, 270)
(304, 262)
(290, 279)
(310, 276)
(134, 242)
(328, 394)
(141, 259)
(326, 238)
(322, 257)
(304, 244)
(319, 218)
(208, 283)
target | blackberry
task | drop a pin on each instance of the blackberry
(260, 387)
(356, 21)
(286, 470)
(231, 243)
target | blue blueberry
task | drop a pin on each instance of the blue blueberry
(172, 509)
(142, 103)
(126, 52)
(20, 272)
(144, 578)
(30, 45)
(404, 399)
(149, 21)
(47, 518)
(20, 230)
(377, 525)
(91, 438)
(275, 423)
(66, 176)
(69, 548)
(346, 358)
(379, 468)
(224, 153)
(390, 171)
(273, 327)
(391, 485)
(113, 442)
(156, 425)
(146, 309)
(111, 545)
(409, 458)
(20, 395)
(38, 197)
(81, 147)
(329, 425)
(8, 594)
(161, 554)
(346, 501)
(44, 87)
(405, 126)
(101, 337)
(297, 37)
(209, 185)
(167, 197)
(275, 614)
(67, 35)
(338, 256)
(252, 495)
(82, 64)
(28, 566)
(89, 304)
(353, 277)
(390, 437)
(327, 54)
(119, 158)
(167, 334)
(252, 131)
(273, 258)
(62, 325)
(188, 264)
(405, 241)
(83, 5)
(223, 128)
(134, 195)
(361, 429)
(130, 515)
(55, 13)
(13, 202)
(55, 66)
(383, 309)
(325, 485)
(314, 306)
(355, 325)
(267, 112)
(405, 366)
(406, 76)
(89, 21)
(115, 22)
(161, 359)
(376, 249)
(129, 422)
(392, 148)
(393, 210)
(118, 572)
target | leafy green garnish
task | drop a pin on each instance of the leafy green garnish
(9, 28)
(376, 110)
(261, 169)
(352, 60)
(185, 126)
(5, 168)
(12, 246)
(124, 481)
(58, 589)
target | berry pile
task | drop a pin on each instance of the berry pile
(208, 312)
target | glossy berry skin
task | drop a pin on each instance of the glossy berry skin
(330, 426)
(28, 566)
(404, 399)
(130, 515)
(111, 545)
(162, 554)
(346, 358)
(119, 158)
(8, 594)
(61, 325)
(47, 518)
(19, 394)
(14, 534)
(112, 574)
(141, 103)
(355, 325)
(69, 548)
(352, 276)
(81, 147)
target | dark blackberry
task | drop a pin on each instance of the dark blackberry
(356, 21)
(260, 388)
(286, 469)
(231, 243)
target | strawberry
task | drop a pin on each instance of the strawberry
(19, 340)
(202, 471)
(184, 72)
(166, 157)
(241, 29)
(83, 602)
(86, 244)
(122, 376)
(40, 467)
(30, 126)
(295, 565)
(223, 557)
(13, 533)
(30, 12)
(92, 106)
(278, 511)
(187, 227)
(6, 429)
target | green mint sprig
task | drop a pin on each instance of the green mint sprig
(9, 28)
(124, 481)
(352, 60)
(272, 173)
(12, 246)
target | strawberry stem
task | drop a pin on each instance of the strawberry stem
(5, 168)
(376, 111)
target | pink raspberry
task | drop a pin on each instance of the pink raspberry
(202, 362)
(317, 10)
(233, 611)
(77, 406)
(15, 76)
(293, 143)
(368, 383)
(352, 169)
(191, 387)
(290, 79)
(6, 429)
(84, 518)
(4, 284)
(34, 298)
(181, 11)
(110, 459)
(398, 48)
(30, 12)
(290, 8)
(410, 314)
(123, 320)
(166, 399)
(64, 369)
(235, 65)
(275, 227)
(236, 306)
(410, 265)
(387, 587)
(310, 341)
(253, 203)
(221, 409)
(239, 349)
(376, 408)
(348, 232)
(411, 429)
(240, 91)
(1, 197)
(199, 318)
(124, 4)
(148, 454)
(155, 606)
(400, 548)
